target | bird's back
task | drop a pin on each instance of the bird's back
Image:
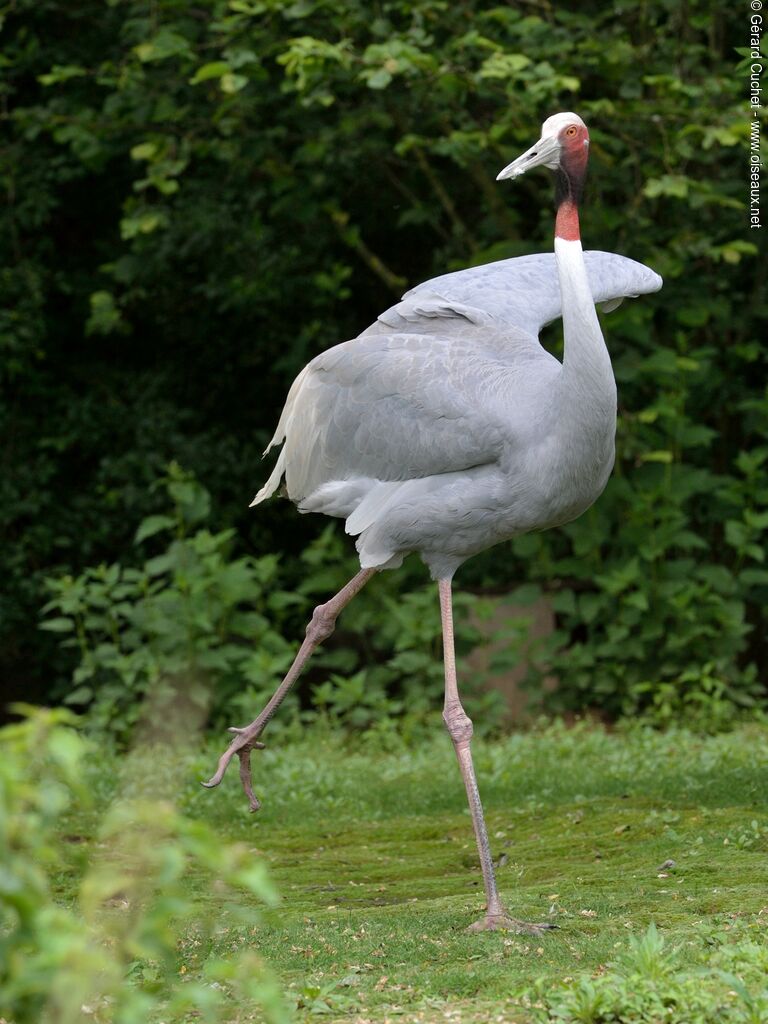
(433, 430)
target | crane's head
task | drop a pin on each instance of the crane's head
(563, 147)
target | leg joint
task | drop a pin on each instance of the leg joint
(321, 624)
(458, 723)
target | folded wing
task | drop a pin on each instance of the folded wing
(523, 292)
(387, 408)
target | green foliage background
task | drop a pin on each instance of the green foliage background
(202, 196)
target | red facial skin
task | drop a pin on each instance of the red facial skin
(574, 142)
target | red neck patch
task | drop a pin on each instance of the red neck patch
(567, 221)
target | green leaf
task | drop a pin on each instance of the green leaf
(81, 695)
(61, 73)
(152, 525)
(504, 65)
(232, 82)
(662, 455)
(674, 185)
(165, 44)
(144, 151)
(105, 316)
(58, 625)
(143, 223)
(159, 565)
(378, 79)
(214, 69)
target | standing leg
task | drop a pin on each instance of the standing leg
(459, 726)
(320, 628)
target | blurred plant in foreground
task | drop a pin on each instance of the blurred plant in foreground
(116, 957)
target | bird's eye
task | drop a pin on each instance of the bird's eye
(571, 130)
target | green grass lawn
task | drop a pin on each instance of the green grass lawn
(374, 858)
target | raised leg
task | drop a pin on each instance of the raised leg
(320, 628)
(459, 726)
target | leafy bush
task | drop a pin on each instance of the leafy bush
(118, 955)
(190, 615)
(646, 985)
(196, 625)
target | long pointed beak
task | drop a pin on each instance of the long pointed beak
(546, 152)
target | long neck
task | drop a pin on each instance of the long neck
(587, 368)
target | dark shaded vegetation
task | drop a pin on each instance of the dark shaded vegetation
(199, 198)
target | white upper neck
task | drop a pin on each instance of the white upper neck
(586, 363)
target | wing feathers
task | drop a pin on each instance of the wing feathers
(385, 409)
(523, 292)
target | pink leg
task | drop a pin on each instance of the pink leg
(320, 628)
(459, 726)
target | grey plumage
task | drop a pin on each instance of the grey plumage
(444, 427)
(523, 292)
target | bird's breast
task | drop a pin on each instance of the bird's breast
(555, 479)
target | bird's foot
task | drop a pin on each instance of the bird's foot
(504, 923)
(245, 741)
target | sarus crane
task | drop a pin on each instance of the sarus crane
(446, 428)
